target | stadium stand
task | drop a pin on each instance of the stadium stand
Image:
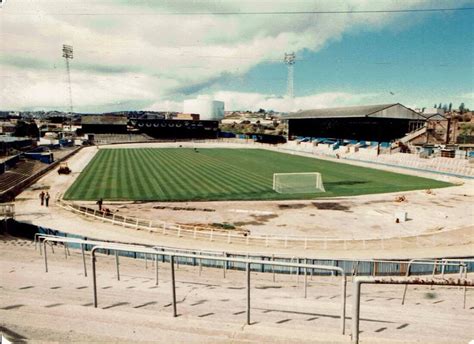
(103, 139)
(23, 170)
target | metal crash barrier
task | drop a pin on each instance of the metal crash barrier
(403, 280)
(98, 245)
(461, 264)
(455, 265)
(248, 263)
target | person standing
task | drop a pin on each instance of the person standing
(41, 196)
(46, 199)
(99, 203)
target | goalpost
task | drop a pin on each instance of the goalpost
(308, 182)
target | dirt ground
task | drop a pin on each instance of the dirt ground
(361, 217)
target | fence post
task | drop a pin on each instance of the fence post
(224, 268)
(156, 266)
(117, 265)
(84, 260)
(200, 264)
(247, 267)
(273, 267)
(173, 286)
(45, 257)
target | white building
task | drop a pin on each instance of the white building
(208, 110)
(433, 111)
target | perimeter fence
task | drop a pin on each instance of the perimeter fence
(430, 239)
(355, 267)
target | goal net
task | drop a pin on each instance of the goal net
(298, 182)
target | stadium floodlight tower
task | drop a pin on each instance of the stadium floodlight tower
(289, 60)
(69, 55)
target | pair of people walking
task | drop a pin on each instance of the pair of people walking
(44, 197)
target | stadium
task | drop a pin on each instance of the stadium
(272, 237)
(236, 172)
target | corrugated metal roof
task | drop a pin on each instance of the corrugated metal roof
(104, 119)
(350, 111)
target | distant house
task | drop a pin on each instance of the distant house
(7, 128)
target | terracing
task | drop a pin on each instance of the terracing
(58, 305)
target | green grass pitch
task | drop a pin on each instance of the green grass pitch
(181, 174)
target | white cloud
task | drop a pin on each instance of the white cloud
(254, 101)
(165, 54)
(469, 96)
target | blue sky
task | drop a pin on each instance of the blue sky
(426, 63)
(150, 55)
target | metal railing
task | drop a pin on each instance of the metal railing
(370, 267)
(172, 255)
(405, 280)
(248, 263)
(7, 210)
(155, 252)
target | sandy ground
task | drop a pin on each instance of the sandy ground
(57, 306)
(364, 217)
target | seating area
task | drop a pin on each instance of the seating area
(368, 153)
(103, 139)
(19, 173)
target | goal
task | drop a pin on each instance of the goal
(309, 182)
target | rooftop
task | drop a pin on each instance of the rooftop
(349, 111)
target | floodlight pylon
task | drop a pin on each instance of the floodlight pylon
(290, 59)
(68, 54)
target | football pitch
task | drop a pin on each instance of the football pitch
(182, 174)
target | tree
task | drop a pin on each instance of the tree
(435, 106)
(445, 107)
(461, 108)
(440, 106)
(450, 107)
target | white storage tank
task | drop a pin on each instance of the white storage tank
(208, 110)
